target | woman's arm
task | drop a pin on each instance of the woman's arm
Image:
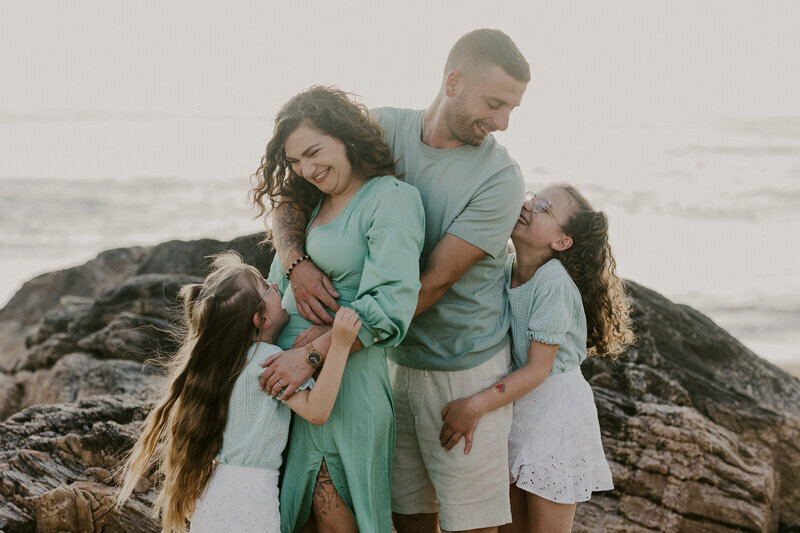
(313, 290)
(461, 416)
(290, 369)
(315, 405)
(387, 293)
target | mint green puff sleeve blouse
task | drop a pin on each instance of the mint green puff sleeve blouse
(370, 252)
(548, 309)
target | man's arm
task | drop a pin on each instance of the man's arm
(312, 289)
(448, 261)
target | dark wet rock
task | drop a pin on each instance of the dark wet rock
(131, 337)
(87, 331)
(152, 296)
(91, 279)
(10, 395)
(78, 376)
(57, 467)
(104, 284)
(701, 434)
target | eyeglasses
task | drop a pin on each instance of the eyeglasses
(269, 286)
(539, 204)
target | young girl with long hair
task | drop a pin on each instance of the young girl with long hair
(565, 301)
(215, 437)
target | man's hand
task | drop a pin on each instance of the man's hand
(311, 334)
(460, 418)
(313, 292)
(285, 371)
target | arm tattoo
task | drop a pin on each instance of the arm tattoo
(290, 224)
(500, 387)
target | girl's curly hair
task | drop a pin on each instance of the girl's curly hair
(334, 113)
(592, 267)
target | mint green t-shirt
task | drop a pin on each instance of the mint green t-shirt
(474, 193)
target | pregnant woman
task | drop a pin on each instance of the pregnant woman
(365, 230)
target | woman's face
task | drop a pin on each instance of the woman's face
(321, 160)
(540, 230)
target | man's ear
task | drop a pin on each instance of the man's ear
(562, 244)
(451, 82)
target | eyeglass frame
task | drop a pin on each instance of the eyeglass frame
(531, 197)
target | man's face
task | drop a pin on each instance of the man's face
(481, 102)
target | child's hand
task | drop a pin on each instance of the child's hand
(345, 327)
(459, 419)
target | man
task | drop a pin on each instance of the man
(458, 343)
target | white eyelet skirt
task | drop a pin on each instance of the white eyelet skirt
(238, 499)
(554, 449)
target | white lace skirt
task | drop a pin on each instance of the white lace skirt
(554, 449)
(238, 499)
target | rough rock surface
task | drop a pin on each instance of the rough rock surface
(701, 434)
(57, 467)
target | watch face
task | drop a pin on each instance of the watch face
(314, 359)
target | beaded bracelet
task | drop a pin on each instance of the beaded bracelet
(295, 263)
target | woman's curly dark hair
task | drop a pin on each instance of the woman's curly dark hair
(592, 267)
(334, 113)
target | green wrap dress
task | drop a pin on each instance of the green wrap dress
(371, 253)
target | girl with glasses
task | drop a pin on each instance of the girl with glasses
(566, 302)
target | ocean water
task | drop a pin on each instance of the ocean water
(706, 212)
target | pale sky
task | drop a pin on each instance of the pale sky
(111, 89)
(590, 59)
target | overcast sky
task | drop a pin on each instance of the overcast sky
(606, 60)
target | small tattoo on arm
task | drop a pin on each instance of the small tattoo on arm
(501, 388)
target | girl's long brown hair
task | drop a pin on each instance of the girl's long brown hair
(334, 113)
(592, 267)
(183, 434)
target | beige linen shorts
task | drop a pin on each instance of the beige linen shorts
(468, 491)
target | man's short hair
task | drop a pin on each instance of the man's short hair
(488, 46)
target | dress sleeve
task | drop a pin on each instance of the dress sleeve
(387, 294)
(490, 215)
(553, 311)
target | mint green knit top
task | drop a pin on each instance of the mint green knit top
(258, 425)
(548, 309)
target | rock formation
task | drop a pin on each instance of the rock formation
(701, 434)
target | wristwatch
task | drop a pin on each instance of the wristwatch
(313, 357)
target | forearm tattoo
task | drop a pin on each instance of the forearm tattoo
(500, 387)
(291, 224)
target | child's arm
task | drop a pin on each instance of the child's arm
(315, 405)
(461, 416)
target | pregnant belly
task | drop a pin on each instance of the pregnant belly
(297, 324)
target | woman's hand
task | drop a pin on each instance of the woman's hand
(460, 418)
(313, 292)
(310, 335)
(285, 371)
